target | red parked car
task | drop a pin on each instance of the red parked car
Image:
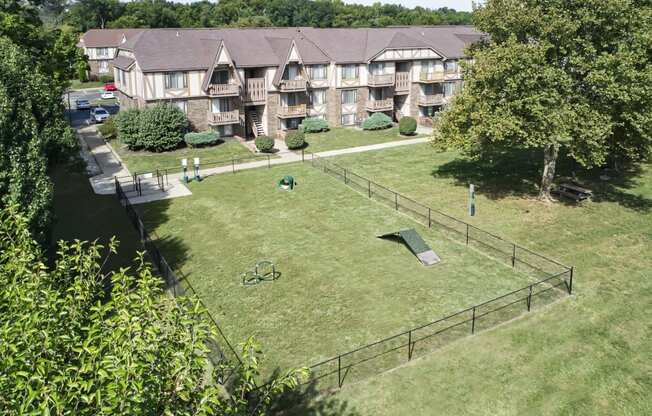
(110, 87)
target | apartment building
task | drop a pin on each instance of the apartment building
(257, 81)
(101, 48)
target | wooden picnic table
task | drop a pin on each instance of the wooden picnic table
(576, 192)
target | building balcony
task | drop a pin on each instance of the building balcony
(291, 85)
(402, 85)
(255, 91)
(430, 100)
(381, 80)
(225, 117)
(380, 105)
(224, 90)
(292, 111)
(438, 76)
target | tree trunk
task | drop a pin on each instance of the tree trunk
(550, 153)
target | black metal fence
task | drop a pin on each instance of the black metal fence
(175, 282)
(233, 162)
(554, 281)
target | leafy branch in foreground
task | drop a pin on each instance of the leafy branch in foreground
(80, 341)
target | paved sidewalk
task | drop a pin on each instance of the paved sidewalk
(102, 155)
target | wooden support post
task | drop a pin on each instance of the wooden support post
(513, 255)
(570, 283)
(467, 234)
(529, 299)
(409, 345)
(473, 321)
(429, 215)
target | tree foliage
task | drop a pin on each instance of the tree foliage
(556, 74)
(158, 128)
(87, 14)
(77, 340)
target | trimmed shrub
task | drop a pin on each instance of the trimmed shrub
(377, 121)
(295, 139)
(264, 144)
(106, 78)
(407, 126)
(127, 125)
(313, 125)
(107, 129)
(205, 138)
(162, 127)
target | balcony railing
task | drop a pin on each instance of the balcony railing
(439, 76)
(434, 99)
(292, 111)
(256, 91)
(402, 82)
(224, 117)
(381, 80)
(292, 85)
(224, 90)
(380, 105)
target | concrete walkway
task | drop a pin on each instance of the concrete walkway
(101, 157)
(104, 165)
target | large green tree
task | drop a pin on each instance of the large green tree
(553, 74)
(77, 340)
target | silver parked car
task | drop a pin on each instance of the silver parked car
(99, 115)
(82, 104)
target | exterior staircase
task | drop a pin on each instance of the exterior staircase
(256, 125)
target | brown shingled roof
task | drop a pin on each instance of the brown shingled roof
(194, 49)
(96, 38)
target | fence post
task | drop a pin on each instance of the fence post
(396, 200)
(269, 163)
(409, 345)
(233, 164)
(570, 283)
(140, 188)
(339, 371)
(429, 222)
(529, 299)
(303, 155)
(473, 321)
(513, 255)
(345, 182)
(369, 187)
(467, 234)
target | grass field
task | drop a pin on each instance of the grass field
(341, 137)
(340, 287)
(589, 355)
(143, 161)
(78, 85)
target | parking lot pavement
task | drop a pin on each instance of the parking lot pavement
(80, 118)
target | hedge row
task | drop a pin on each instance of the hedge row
(377, 121)
(157, 128)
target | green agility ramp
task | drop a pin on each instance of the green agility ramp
(416, 245)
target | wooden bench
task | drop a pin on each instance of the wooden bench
(575, 192)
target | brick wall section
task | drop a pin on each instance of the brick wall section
(333, 107)
(94, 71)
(415, 90)
(363, 96)
(197, 110)
(273, 102)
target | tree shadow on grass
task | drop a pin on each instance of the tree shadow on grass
(517, 172)
(308, 400)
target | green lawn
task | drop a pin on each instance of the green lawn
(143, 161)
(82, 214)
(78, 85)
(340, 287)
(588, 355)
(343, 137)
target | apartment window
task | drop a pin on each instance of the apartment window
(123, 78)
(103, 67)
(318, 97)
(428, 67)
(349, 71)
(220, 77)
(220, 105)
(292, 123)
(103, 52)
(181, 105)
(318, 72)
(431, 89)
(292, 72)
(377, 68)
(450, 66)
(428, 111)
(348, 119)
(175, 80)
(349, 96)
(450, 88)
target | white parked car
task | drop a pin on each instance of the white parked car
(99, 115)
(107, 95)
